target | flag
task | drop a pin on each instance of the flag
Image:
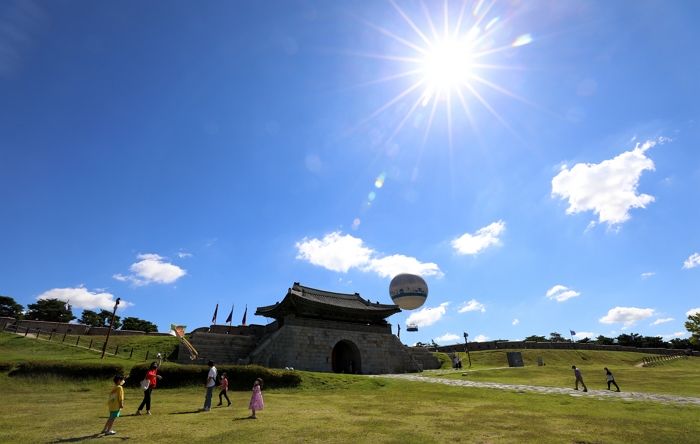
(245, 313)
(216, 310)
(573, 333)
(230, 316)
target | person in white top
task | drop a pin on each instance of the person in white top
(611, 379)
(211, 383)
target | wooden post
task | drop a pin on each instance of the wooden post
(77, 341)
(147, 351)
(50, 336)
(111, 323)
(116, 350)
(64, 337)
(132, 352)
(26, 332)
(90, 345)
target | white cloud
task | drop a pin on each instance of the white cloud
(585, 334)
(151, 269)
(678, 334)
(483, 238)
(609, 188)
(648, 274)
(661, 321)
(81, 297)
(472, 305)
(627, 316)
(692, 311)
(183, 254)
(428, 315)
(692, 261)
(560, 293)
(516, 321)
(447, 338)
(390, 266)
(339, 252)
(480, 338)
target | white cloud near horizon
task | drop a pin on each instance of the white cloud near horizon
(585, 334)
(183, 254)
(647, 275)
(662, 321)
(428, 315)
(342, 252)
(561, 293)
(627, 316)
(480, 338)
(609, 188)
(692, 311)
(692, 261)
(151, 269)
(470, 244)
(447, 338)
(516, 321)
(678, 334)
(472, 305)
(81, 297)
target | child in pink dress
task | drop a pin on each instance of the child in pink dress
(256, 401)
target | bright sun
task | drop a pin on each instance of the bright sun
(446, 67)
(449, 64)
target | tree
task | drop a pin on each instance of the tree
(137, 324)
(585, 340)
(557, 337)
(90, 318)
(50, 310)
(693, 326)
(106, 317)
(653, 342)
(604, 340)
(632, 340)
(10, 308)
(535, 338)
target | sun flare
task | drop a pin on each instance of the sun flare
(449, 64)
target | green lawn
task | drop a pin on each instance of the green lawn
(339, 409)
(330, 408)
(678, 377)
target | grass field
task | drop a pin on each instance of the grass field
(329, 408)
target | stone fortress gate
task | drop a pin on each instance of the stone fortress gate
(316, 330)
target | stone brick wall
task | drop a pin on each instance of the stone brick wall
(524, 345)
(307, 344)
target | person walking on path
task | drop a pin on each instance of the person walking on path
(611, 379)
(148, 384)
(579, 378)
(224, 389)
(256, 400)
(210, 384)
(115, 403)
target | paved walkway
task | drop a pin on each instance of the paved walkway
(599, 394)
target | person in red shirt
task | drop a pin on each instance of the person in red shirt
(224, 389)
(152, 377)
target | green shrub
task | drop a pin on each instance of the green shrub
(71, 370)
(240, 377)
(6, 366)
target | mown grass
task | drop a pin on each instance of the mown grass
(338, 409)
(678, 376)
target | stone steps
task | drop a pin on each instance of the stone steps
(220, 348)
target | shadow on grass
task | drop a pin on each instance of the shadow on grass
(86, 437)
(243, 418)
(188, 412)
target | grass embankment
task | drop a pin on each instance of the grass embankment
(15, 348)
(677, 377)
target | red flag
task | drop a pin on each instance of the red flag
(230, 316)
(245, 313)
(216, 310)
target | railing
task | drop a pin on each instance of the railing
(653, 361)
(81, 341)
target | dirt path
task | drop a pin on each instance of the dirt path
(598, 394)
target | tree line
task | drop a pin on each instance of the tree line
(54, 310)
(635, 339)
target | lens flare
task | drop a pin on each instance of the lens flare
(380, 181)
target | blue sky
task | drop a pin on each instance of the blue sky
(537, 163)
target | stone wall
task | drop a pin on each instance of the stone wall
(64, 327)
(524, 345)
(307, 344)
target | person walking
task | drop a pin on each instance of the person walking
(148, 384)
(210, 384)
(579, 378)
(223, 385)
(256, 400)
(115, 403)
(611, 379)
